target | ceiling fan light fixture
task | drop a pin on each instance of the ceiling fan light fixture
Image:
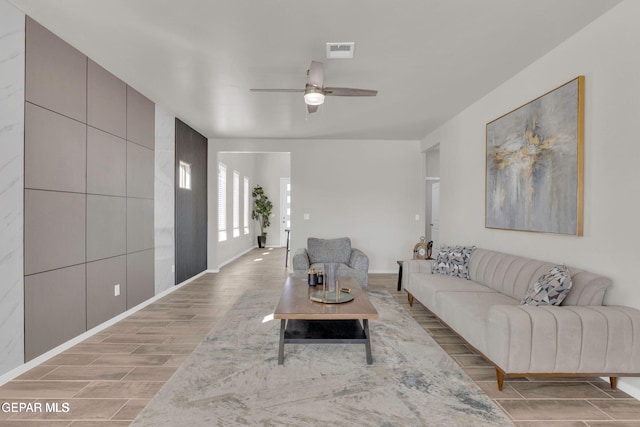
(314, 98)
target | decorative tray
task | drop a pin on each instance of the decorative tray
(330, 297)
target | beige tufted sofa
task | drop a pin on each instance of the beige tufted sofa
(577, 339)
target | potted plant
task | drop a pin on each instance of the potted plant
(261, 211)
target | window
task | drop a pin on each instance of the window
(246, 205)
(236, 204)
(222, 202)
(185, 175)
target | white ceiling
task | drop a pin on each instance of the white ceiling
(429, 59)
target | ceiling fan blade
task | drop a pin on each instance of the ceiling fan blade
(316, 74)
(312, 108)
(348, 91)
(276, 90)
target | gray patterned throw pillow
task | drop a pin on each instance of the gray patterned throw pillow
(453, 261)
(551, 288)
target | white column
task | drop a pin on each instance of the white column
(12, 41)
(164, 200)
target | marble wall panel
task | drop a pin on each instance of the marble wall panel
(12, 31)
(164, 200)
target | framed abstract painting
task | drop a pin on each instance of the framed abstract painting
(535, 164)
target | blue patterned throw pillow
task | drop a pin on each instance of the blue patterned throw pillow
(551, 288)
(453, 261)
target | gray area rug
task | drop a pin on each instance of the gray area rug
(233, 377)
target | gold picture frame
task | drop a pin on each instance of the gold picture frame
(535, 164)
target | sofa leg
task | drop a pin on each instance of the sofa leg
(500, 378)
(614, 382)
(410, 298)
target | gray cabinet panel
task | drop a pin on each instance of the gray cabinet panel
(140, 277)
(141, 113)
(102, 277)
(140, 230)
(106, 226)
(140, 171)
(55, 151)
(55, 74)
(55, 310)
(106, 163)
(106, 101)
(54, 230)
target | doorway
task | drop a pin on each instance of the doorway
(285, 209)
(432, 196)
(435, 214)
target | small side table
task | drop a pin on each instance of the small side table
(286, 254)
(399, 275)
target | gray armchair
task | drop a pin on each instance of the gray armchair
(353, 262)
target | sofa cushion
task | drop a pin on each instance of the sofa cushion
(588, 288)
(428, 286)
(466, 313)
(329, 250)
(551, 288)
(453, 261)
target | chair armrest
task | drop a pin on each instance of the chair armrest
(565, 339)
(300, 261)
(358, 260)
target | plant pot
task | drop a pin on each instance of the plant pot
(262, 240)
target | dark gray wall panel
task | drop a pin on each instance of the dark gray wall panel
(55, 310)
(55, 151)
(106, 163)
(140, 276)
(140, 171)
(141, 113)
(54, 230)
(191, 205)
(102, 276)
(106, 101)
(140, 231)
(55, 74)
(106, 226)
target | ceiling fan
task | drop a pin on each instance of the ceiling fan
(314, 91)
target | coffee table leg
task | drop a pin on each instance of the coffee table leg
(365, 326)
(283, 325)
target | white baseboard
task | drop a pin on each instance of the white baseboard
(623, 385)
(8, 376)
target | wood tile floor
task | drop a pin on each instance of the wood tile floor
(109, 378)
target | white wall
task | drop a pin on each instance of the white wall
(606, 53)
(233, 246)
(365, 190)
(12, 34)
(164, 200)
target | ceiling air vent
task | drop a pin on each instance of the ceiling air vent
(340, 50)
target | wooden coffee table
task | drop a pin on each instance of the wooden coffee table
(303, 321)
